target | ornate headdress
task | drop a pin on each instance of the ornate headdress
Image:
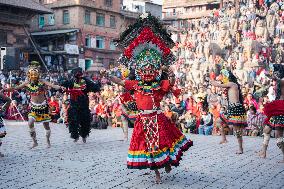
(34, 71)
(147, 47)
(225, 76)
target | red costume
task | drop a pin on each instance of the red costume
(156, 142)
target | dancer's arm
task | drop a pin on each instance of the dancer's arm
(7, 101)
(112, 78)
(117, 80)
(216, 84)
(57, 87)
(10, 89)
(172, 78)
(171, 75)
(93, 86)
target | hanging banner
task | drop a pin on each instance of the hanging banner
(71, 49)
(82, 64)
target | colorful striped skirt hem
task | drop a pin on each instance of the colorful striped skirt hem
(160, 158)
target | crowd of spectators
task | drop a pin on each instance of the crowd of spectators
(244, 38)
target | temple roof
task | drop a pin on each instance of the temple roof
(26, 4)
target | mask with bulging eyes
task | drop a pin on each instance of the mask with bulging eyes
(148, 73)
(148, 66)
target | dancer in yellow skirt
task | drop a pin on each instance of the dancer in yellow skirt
(39, 112)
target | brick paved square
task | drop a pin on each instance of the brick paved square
(101, 163)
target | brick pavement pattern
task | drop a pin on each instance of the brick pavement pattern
(101, 163)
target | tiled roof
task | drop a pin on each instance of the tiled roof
(26, 4)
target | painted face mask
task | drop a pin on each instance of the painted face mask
(148, 66)
(33, 74)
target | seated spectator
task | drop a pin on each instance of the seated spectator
(206, 123)
(54, 109)
(255, 122)
(101, 115)
(179, 109)
(64, 110)
(251, 101)
(188, 122)
(116, 114)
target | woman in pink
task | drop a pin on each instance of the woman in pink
(251, 101)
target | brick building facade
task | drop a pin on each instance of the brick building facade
(178, 13)
(14, 17)
(79, 33)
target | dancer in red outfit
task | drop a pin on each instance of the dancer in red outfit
(275, 113)
(156, 142)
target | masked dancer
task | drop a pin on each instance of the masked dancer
(79, 115)
(275, 112)
(39, 112)
(3, 133)
(156, 142)
(235, 117)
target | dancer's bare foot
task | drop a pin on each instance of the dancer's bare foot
(158, 177)
(84, 140)
(239, 152)
(76, 140)
(35, 144)
(1, 155)
(262, 154)
(168, 168)
(48, 143)
(223, 142)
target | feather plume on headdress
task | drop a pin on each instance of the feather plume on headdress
(149, 34)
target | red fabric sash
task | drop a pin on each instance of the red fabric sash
(274, 108)
(74, 93)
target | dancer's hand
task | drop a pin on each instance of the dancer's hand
(212, 82)
(63, 89)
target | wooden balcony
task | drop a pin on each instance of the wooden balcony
(9, 18)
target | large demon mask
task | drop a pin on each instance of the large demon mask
(148, 66)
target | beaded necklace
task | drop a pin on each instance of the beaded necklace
(81, 85)
(36, 89)
(148, 88)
